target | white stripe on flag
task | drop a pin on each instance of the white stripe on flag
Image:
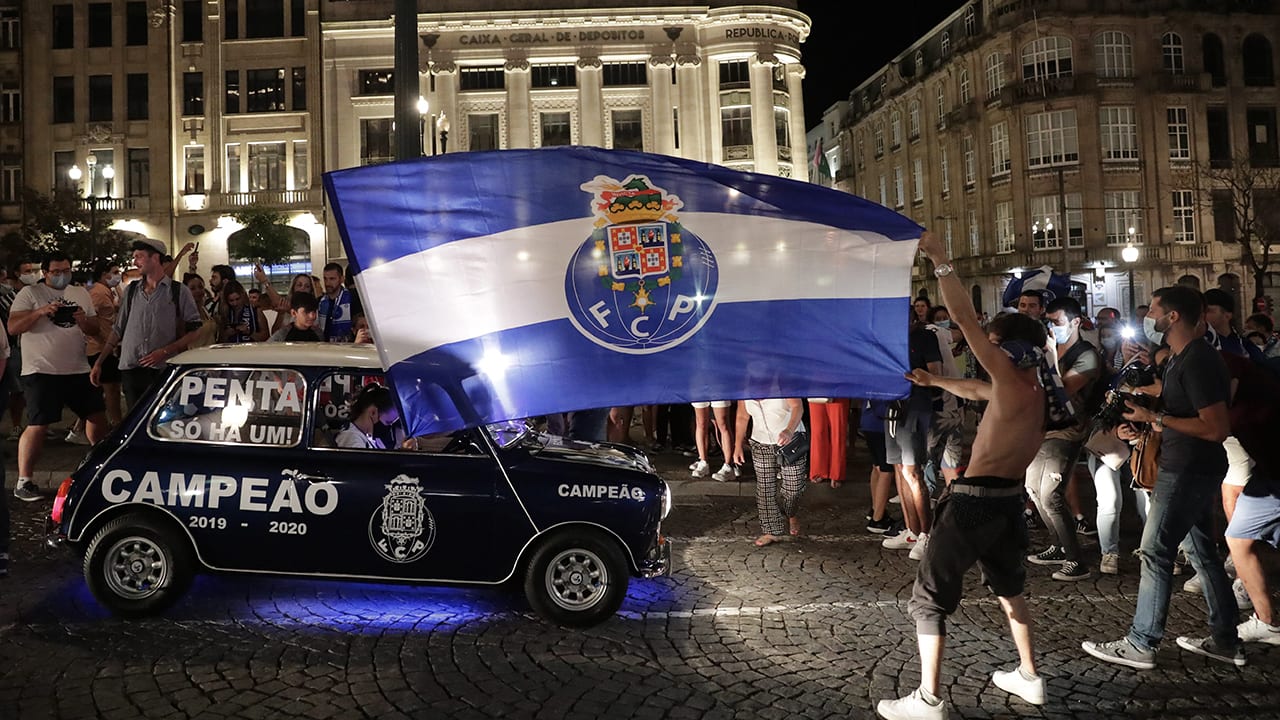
(474, 287)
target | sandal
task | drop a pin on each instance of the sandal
(767, 539)
(835, 484)
(817, 479)
(794, 524)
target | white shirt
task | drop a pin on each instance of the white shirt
(47, 348)
(353, 437)
(769, 418)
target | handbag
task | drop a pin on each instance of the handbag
(796, 451)
(1145, 460)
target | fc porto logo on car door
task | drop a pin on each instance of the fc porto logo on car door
(641, 283)
(402, 529)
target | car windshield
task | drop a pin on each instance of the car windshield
(508, 432)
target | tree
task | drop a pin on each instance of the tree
(1244, 199)
(265, 237)
(61, 222)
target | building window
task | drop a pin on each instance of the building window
(1123, 213)
(975, 242)
(299, 88)
(860, 152)
(263, 18)
(64, 99)
(945, 43)
(193, 21)
(1171, 49)
(10, 102)
(98, 24)
(1052, 138)
(1045, 58)
(884, 191)
(735, 125)
(1179, 134)
(948, 237)
(917, 180)
(1004, 227)
(944, 169)
(193, 169)
(298, 18)
(878, 139)
(970, 22)
(267, 166)
(265, 90)
(782, 127)
(192, 93)
(1119, 133)
(136, 96)
(231, 19)
(11, 181)
(1000, 163)
(1184, 217)
(234, 183)
(553, 76)
(1214, 60)
(64, 27)
(940, 98)
(675, 127)
(136, 24)
(734, 74)
(1261, 124)
(1045, 211)
(628, 131)
(62, 162)
(99, 98)
(556, 129)
(966, 88)
(895, 129)
(919, 64)
(483, 131)
(231, 103)
(995, 75)
(481, 78)
(1259, 70)
(1114, 54)
(301, 168)
(913, 120)
(899, 189)
(10, 29)
(970, 163)
(617, 74)
(138, 174)
(102, 186)
(376, 141)
(375, 82)
(1217, 125)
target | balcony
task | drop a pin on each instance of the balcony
(1167, 82)
(266, 198)
(1047, 88)
(963, 113)
(141, 204)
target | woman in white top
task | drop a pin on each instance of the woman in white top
(778, 488)
(367, 408)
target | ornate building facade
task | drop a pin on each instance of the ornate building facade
(1014, 128)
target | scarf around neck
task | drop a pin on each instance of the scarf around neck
(1024, 356)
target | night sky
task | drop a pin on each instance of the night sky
(846, 46)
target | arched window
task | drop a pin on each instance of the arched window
(1214, 62)
(1258, 68)
(919, 64)
(946, 42)
(895, 129)
(1114, 54)
(1171, 49)
(1047, 57)
(995, 74)
(940, 94)
(970, 22)
(878, 138)
(966, 89)
(913, 119)
(884, 86)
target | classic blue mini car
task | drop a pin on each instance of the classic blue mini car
(231, 465)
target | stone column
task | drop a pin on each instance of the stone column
(762, 125)
(664, 130)
(799, 143)
(591, 101)
(698, 110)
(445, 103)
(518, 104)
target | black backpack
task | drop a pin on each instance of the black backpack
(1097, 393)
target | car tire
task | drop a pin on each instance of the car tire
(576, 579)
(136, 566)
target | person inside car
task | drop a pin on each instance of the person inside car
(368, 407)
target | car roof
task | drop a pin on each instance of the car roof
(286, 354)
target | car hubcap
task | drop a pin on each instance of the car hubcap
(135, 568)
(577, 579)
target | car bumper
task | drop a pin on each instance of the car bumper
(658, 563)
(52, 536)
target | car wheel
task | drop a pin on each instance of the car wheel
(137, 567)
(576, 579)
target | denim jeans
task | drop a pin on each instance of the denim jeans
(1106, 484)
(1182, 507)
(1047, 478)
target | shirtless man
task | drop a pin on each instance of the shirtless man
(979, 520)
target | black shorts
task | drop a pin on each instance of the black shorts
(48, 395)
(875, 443)
(110, 369)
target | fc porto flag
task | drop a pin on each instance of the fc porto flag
(1043, 280)
(517, 283)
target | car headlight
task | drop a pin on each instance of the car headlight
(667, 502)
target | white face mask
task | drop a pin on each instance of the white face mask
(111, 280)
(1061, 335)
(30, 278)
(1149, 329)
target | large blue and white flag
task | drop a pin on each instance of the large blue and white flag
(1043, 280)
(518, 283)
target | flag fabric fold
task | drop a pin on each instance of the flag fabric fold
(1043, 280)
(517, 283)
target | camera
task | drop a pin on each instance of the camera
(1133, 375)
(65, 315)
(1136, 375)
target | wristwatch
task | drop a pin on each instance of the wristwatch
(1159, 423)
(943, 270)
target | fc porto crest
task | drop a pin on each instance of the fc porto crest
(402, 529)
(641, 283)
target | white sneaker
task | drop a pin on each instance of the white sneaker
(1254, 630)
(700, 469)
(917, 550)
(1230, 566)
(737, 471)
(1014, 683)
(1194, 585)
(902, 541)
(1242, 596)
(76, 438)
(1110, 564)
(911, 707)
(724, 474)
(694, 465)
(895, 500)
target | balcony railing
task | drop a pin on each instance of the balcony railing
(267, 198)
(1045, 88)
(113, 204)
(1182, 82)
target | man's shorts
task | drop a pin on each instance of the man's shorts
(1239, 464)
(110, 368)
(47, 395)
(713, 404)
(875, 444)
(1257, 516)
(906, 441)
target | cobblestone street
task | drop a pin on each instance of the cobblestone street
(809, 629)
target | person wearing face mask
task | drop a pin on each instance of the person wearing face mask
(25, 272)
(371, 404)
(53, 319)
(1053, 466)
(106, 302)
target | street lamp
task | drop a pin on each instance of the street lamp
(443, 126)
(1130, 256)
(108, 174)
(424, 107)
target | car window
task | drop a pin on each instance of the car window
(233, 406)
(335, 390)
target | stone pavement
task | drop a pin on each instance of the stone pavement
(815, 628)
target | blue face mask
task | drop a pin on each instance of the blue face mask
(944, 324)
(1061, 335)
(58, 282)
